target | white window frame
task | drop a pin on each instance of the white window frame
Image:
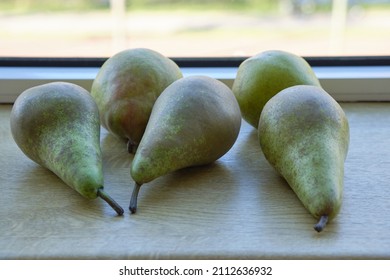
(351, 83)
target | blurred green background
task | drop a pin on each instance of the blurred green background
(249, 5)
(75, 5)
(100, 28)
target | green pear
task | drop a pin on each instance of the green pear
(304, 135)
(195, 121)
(126, 87)
(263, 75)
(57, 125)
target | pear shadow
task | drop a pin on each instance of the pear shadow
(47, 192)
(250, 159)
(247, 149)
(114, 151)
(271, 199)
(189, 192)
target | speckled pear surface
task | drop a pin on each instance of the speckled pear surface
(195, 121)
(126, 87)
(57, 125)
(263, 75)
(304, 135)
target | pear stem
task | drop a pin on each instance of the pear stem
(134, 196)
(103, 195)
(131, 147)
(321, 223)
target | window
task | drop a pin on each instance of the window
(189, 28)
(346, 41)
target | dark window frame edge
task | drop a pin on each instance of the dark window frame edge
(195, 62)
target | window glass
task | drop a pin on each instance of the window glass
(203, 28)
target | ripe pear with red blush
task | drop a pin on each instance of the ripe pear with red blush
(126, 87)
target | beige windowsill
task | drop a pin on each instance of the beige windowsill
(237, 208)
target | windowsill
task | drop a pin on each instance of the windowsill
(344, 83)
(236, 208)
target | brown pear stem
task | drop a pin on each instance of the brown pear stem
(102, 194)
(321, 223)
(131, 147)
(134, 196)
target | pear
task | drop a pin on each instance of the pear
(304, 135)
(57, 125)
(126, 87)
(263, 75)
(195, 121)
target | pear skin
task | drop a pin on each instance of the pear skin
(304, 135)
(265, 74)
(57, 125)
(195, 121)
(126, 87)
